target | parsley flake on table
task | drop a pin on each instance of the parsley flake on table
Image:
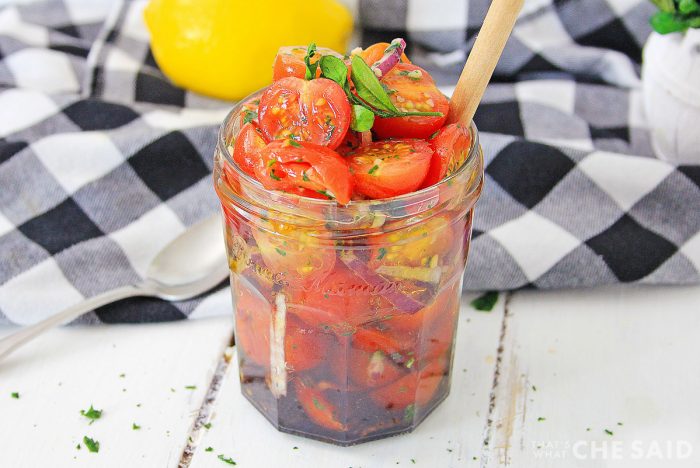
(92, 414)
(209, 449)
(485, 302)
(190, 387)
(92, 445)
(15, 395)
(135, 427)
(540, 419)
(207, 425)
(608, 432)
(225, 459)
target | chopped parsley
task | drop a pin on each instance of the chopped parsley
(409, 413)
(318, 404)
(608, 432)
(410, 362)
(207, 425)
(15, 395)
(534, 389)
(294, 143)
(295, 448)
(92, 445)
(92, 414)
(373, 169)
(304, 177)
(225, 459)
(209, 449)
(249, 116)
(273, 176)
(190, 387)
(122, 375)
(619, 424)
(382, 252)
(485, 302)
(135, 427)
(281, 252)
(540, 419)
(325, 194)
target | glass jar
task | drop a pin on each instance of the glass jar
(345, 316)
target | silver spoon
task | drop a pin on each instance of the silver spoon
(193, 263)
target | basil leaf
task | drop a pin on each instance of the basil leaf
(368, 86)
(362, 118)
(310, 67)
(334, 69)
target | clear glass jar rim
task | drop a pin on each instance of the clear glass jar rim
(375, 204)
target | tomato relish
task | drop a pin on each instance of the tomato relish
(374, 113)
(345, 313)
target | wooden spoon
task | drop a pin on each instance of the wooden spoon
(482, 60)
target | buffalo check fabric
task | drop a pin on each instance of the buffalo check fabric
(103, 160)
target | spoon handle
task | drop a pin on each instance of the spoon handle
(26, 334)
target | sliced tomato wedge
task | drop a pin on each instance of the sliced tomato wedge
(249, 111)
(412, 89)
(289, 61)
(415, 388)
(246, 149)
(389, 168)
(315, 111)
(252, 323)
(288, 164)
(374, 52)
(451, 144)
(317, 407)
(305, 347)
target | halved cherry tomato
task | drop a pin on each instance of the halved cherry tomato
(416, 246)
(316, 111)
(415, 388)
(293, 254)
(317, 407)
(288, 164)
(246, 150)
(374, 52)
(389, 168)
(412, 90)
(253, 314)
(451, 144)
(305, 347)
(290, 61)
(340, 302)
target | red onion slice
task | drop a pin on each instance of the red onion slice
(387, 288)
(391, 56)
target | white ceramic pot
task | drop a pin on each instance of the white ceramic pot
(671, 86)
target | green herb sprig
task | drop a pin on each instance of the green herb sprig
(92, 414)
(675, 15)
(372, 97)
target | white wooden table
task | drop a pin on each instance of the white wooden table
(537, 383)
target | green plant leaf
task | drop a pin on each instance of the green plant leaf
(688, 6)
(310, 67)
(666, 23)
(334, 69)
(368, 87)
(362, 118)
(665, 5)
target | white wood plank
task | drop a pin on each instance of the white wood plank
(588, 360)
(451, 436)
(71, 368)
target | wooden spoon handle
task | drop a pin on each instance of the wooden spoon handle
(482, 60)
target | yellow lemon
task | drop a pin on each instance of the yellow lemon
(225, 48)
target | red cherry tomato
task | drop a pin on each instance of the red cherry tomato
(451, 144)
(246, 149)
(305, 347)
(415, 388)
(317, 407)
(286, 164)
(316, 111)
(290, 61)
(415, 91)
(253, 314)
(389, 168)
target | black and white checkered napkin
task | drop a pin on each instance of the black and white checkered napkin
(102, 161)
